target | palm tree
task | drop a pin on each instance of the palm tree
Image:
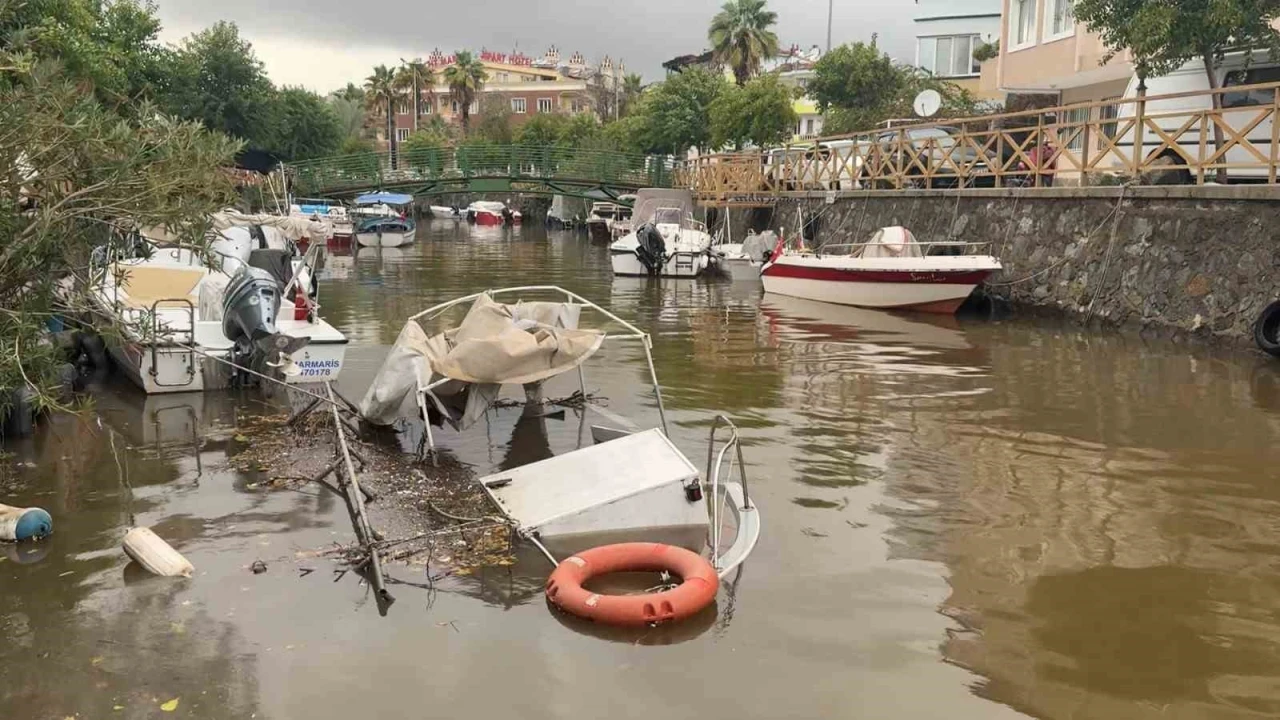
(351, 93)
(632, 86)
(741, 38)
(414, 75)
(381, 96)
(465, 78)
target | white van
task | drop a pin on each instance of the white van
(1240, 109)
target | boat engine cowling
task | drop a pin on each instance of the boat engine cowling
(652, 248)
(250, 305)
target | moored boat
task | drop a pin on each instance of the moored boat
(743, 261)
(185, 326)
(666, 241)
(388, 232)
(891, 271)
(446, 212)
(491, 212)
(325, 210)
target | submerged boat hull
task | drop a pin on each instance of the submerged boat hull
(937, 291)
(488, 218)
(599, 231)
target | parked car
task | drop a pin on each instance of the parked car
(935, 149)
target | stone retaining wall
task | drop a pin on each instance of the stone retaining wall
(1183, 259)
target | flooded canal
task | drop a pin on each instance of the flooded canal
(962, 519)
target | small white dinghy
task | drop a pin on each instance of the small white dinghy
(631, 485)
(743, 261)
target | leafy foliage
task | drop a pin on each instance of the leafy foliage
(758, 113)
(675, 115)
(380, 96)
(80, 173)
(304, 125)
(217, 80)
(412, 76)
(987, 51)
(857, 87)
(1162, 35)
(741, 39)
(494, 121)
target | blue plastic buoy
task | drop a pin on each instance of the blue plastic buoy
(22, 524)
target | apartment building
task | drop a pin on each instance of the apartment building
(528, 86)
(948, 32)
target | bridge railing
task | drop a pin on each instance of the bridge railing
(1157, 139)
(514, 162)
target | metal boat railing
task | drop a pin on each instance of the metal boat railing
(926, 246)
(716, 500)
(633, 333)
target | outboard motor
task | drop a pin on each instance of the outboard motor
(249, 310)
(507, 216)
(652, 250)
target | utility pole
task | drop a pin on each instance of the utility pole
(830, 11)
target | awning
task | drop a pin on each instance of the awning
(384, 198)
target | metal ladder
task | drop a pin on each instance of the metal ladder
(190, 345)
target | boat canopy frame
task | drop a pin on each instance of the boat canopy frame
(631, 333)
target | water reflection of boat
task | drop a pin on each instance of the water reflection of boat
(386, 232)
(382, 255)
(812, 319)
(164, 422)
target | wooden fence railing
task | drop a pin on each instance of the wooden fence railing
(1158, 139)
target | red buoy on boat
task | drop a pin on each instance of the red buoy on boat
(696, 591)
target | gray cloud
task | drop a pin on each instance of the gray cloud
(325, 43)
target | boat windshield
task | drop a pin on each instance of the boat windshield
(667, 216)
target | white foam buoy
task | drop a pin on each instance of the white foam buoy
(155, 555)
(22, 524)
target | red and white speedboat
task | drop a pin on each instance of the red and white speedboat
(891, 271)
(484, 212)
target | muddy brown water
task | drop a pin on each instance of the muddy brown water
(962, 519)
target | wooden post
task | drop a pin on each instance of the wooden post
(1275, 135)
(1140, 115)
(1039, 148)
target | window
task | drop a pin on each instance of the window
(475, 107)
(1073, 126)
(950, 55)
(1060, 19)
(544, 105)
(519, 106)
(1107, 115)
(402, 134)
(1255, 76)
(808, 127)
(1022, 23)
(504, 77)
(402, 107)
(456, 107)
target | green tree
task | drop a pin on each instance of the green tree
(759, 113)
(466, 78)
(218, 80)
(1163, 36)
(80, 174)
(113, 46)
(632, 86)
(542, 130)
(351, 114)
(494, 121)
(741, 38)
(412, 76)
(305, 125)
(381, 96)
(675, 114)
(350, 93)
(857, 88)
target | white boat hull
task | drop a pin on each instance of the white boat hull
(741, 269)
(680, 264)
(385, 239)
(935, 297)
(175, 369)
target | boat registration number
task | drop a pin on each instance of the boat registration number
(319, 368)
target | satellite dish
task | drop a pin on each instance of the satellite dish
(927, 103)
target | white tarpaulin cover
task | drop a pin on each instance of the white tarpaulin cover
(759, 247)
(892, 242)
(494, 345)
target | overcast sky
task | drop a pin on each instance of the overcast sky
(323, 44)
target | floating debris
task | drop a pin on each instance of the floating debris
(155, 555)
(23, 524)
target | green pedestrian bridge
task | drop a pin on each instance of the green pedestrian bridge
(483, 169)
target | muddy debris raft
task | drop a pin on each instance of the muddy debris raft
(437, 517)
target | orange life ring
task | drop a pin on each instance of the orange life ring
(698, 589)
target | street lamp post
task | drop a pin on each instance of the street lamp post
(830, 10)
